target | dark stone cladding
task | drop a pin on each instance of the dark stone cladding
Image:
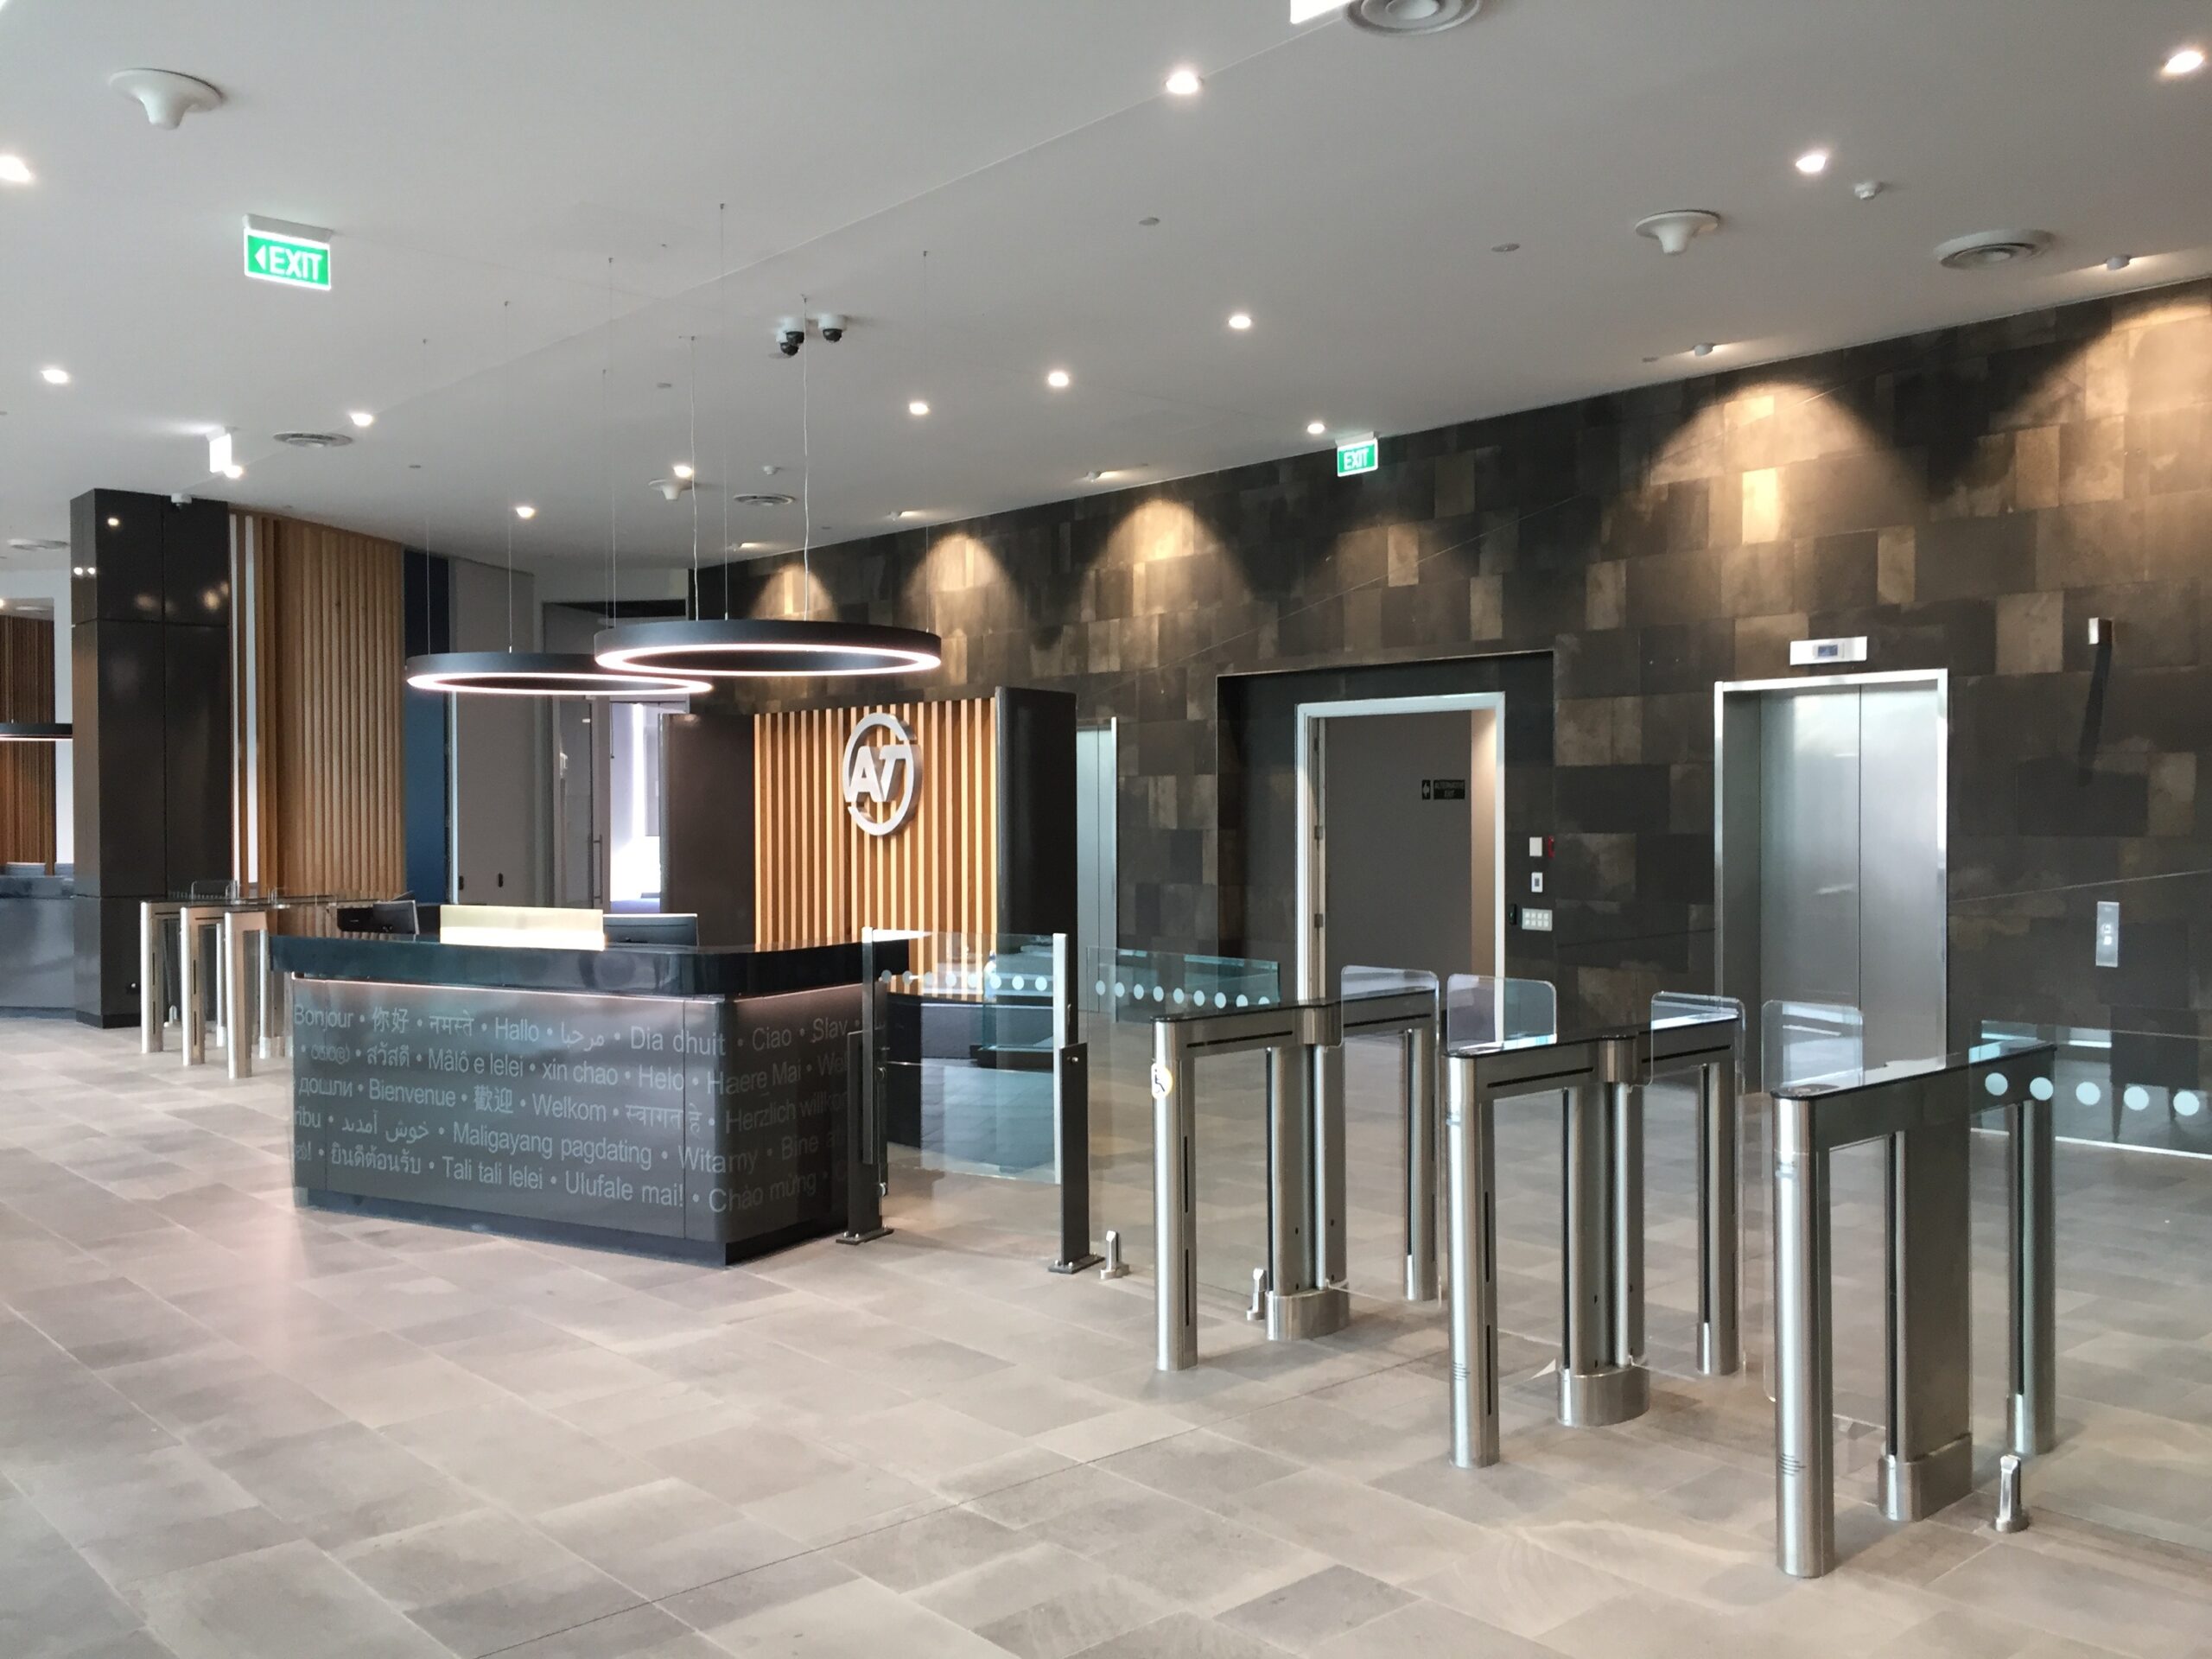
(636, 970)
(1968, 499)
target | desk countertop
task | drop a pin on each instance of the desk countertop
(635, 970)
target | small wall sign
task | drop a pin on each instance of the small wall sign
(1444, 789)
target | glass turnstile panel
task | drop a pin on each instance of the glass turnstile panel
(1483, 1012)
(1811, 1042)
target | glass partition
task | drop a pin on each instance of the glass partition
(1129, 989)
(2124, 1088)
(1142, 985)
(965, 1044)
(1808, 1042)
(1482, 1012)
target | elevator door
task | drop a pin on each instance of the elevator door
(1832, 872)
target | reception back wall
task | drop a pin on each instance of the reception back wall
(1966, 499)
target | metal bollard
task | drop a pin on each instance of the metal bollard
(2012, 1510)
(1114, 1267)
(1258, 1310)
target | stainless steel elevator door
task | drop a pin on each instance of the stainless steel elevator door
(1902, 899)
(1808, 848)
(1847, 876)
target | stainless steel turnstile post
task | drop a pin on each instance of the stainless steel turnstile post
(245, 994)
(155, 969)
(1921, 1110)
(1711, 1048)
(2031, 1417)
(1305, 1293)
(1602, 1377)
(1413, 1016)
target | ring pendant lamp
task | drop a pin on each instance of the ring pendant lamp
(36, 731)
(767, 648)
(512, 673)
(749, 648)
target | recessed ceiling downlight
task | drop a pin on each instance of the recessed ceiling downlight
(1411, 16)
(1985, 250)
(314, 440)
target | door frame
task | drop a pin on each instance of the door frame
(1936, 679)
(1313, 847)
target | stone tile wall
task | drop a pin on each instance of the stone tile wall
(1968, 499)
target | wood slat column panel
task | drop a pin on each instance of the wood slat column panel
(816, 876)
(329, 653)
(26, 769)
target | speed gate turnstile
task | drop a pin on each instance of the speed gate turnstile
(1923, 1109)
(1602, 1377)
(1303, 1292)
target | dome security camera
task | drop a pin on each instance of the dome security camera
(790, 335)
(832, 326)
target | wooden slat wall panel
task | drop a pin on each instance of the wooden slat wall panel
(327, 621)
(817, 877)
(26, 769)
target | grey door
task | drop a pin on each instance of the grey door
(1409, 882)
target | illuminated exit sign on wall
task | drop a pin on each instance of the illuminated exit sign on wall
(298, 256)
(1358, 455)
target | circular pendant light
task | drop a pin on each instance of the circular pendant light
(36, 731)
(747, 649)
(539, 674)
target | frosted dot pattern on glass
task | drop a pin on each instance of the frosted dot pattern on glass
(2087, 1093)
(1996, 1083)
(2041, 1088)
(2135, 1097)
(2187, 1103)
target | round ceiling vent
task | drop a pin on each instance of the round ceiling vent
(35, 544)
(314, 440)
(1985, 249)
(765, 499)
(1411, 16)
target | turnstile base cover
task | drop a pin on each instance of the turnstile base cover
(1910, 1489)
(1307, 1313)
(1593, 1399)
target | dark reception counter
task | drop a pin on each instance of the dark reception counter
(38, 944)
(677, 1101)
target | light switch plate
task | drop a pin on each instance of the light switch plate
(1537, 882)
(1535, 846)
(1535, 921)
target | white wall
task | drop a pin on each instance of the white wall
(53, 587)
(500, 814)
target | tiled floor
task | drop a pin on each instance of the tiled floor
(233, 1429)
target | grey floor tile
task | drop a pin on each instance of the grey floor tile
(1183, 1636)
(1326, 1605)
(277, 1604)
(562, 1593)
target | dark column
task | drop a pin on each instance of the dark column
(426, 759)
(151, 657)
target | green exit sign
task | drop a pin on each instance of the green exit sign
(298, 256)
(1358, 455)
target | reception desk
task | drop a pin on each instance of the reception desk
(38, 944)
(673, 1100)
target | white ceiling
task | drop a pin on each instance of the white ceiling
(481, 159)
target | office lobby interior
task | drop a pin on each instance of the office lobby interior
(1111, 830)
